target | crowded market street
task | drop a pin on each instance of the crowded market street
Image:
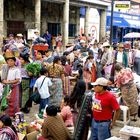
(70, 70)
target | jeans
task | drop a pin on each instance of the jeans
(100, 130)
(43, 103)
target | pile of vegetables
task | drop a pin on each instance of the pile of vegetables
(33, 69)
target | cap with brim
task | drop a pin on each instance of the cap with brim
(19, 35)
(7, 58)
(120, 46)
(106, 44)
(82, 41)
(36, 31)
(9, 55)
(101, 82)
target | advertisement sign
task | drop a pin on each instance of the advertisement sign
(30, 34)
(122, 4)
(93, 31)
(94, 23)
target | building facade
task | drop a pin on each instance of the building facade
(124, 21)
(122, 24)
(17, 16)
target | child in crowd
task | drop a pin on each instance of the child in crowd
(42, 85)
(53, 126)
(7, 130)
(39, 57)
(66, 112)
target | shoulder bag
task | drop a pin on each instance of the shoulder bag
(36, 96)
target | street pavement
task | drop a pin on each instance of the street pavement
(115, 131)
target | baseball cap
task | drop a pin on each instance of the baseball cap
(100, 81)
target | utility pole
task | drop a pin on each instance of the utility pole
(111, 24)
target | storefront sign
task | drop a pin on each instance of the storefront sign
(122, 4)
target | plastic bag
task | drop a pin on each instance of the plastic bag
(4, 101)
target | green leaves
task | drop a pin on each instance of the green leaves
(34, 69)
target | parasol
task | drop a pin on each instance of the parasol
(132, 35)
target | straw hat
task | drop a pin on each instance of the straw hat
(9, 55)
(120, 45)
(106, 44)
(36, 31)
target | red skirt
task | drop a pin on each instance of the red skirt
(13, 101)
(87, 78)
(93, 75)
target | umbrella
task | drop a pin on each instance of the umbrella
(132, 35)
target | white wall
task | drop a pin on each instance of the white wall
(94, 23)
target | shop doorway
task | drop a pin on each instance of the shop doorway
(54, 28)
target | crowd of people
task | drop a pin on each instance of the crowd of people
(72, 86)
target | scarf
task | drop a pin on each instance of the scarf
(9, 132)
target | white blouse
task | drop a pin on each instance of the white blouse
(14, 73)
(119, 57)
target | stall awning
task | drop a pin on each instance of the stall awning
(117, 21)
(133, 23)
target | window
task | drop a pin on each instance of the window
(15, 27)
(54, 28)
(72, 30)
(82, 12)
